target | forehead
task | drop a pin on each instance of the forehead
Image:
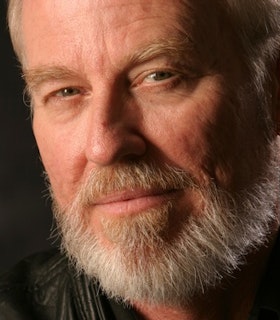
(85, 26)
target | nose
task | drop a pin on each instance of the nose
(113, 134)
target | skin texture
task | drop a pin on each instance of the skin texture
(108, 88)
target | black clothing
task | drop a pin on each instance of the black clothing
(267, 302)
(45, 287)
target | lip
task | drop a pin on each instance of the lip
(132, 201)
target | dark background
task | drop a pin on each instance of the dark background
(25, 218)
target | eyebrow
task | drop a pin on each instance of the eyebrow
(35, 77)
(173, 47)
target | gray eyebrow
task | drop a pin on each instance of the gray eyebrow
(37, 76)
(174, 47)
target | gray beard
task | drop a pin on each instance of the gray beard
(144, 263)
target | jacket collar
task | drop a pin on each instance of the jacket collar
(267, 302)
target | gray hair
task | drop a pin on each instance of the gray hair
(257, 24)
(14, 21)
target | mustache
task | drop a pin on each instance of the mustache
(135, 176)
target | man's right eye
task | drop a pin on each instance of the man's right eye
(70, 95)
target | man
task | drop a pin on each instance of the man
(157, 124)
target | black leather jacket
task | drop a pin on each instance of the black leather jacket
(44, 287)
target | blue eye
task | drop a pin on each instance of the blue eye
(159, 76)
(67, 92)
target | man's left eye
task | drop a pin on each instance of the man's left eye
(67, 92)
(159, 76)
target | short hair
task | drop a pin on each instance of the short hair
(257, 25)
(14, 23)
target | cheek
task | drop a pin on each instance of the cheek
(190, 149)
(181, 141)
(198, 138)
(61, 159)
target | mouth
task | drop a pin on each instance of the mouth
(132, 201)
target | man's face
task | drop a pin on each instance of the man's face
(120, 87)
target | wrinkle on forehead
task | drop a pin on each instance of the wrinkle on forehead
(106, 10)
(101, 16)
(101, 32)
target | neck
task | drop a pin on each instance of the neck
(233, 300)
